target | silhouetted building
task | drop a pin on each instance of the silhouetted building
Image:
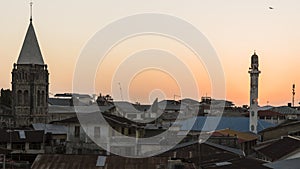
(30, 86)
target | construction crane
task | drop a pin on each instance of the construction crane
(121, 93)
(293, 92)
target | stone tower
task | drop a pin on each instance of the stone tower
(254, 74)
(30, 83)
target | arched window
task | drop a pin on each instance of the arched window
(19, 98)
(43, 98)
(38, 98)
(26, 97)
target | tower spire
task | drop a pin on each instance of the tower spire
(253, 111)
(31, 3)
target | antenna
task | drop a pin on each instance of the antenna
(293, 92)
(121, 93)
(31, 3)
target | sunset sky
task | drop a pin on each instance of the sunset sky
(235, 28)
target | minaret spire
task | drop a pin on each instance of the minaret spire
(253, 111)
(31, 3)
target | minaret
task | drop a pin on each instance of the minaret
(30, 85)
(254, 74)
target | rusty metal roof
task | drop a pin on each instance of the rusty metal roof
(242, 136)
(63, 161)
(280, 148)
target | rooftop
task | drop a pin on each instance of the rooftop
(21, 136)
(280, 148)
(240, 124)
(242, 136)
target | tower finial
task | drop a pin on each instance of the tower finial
(31, 3)
(254, 51)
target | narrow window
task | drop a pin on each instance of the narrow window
(19, 98)
(26, 97)
(43, 99)
(77, 131)
(97, 132)
(38, 98)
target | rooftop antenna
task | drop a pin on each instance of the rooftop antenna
(293, 92)
(31, 3)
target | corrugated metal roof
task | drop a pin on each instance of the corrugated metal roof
(242, 136)
(280, 148)
(286, 164)
(282, 126)
(63, 161)
(240, 124)
(50, 128)
(60, 101)
(286, 110)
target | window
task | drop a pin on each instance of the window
(43, 98)
(77, 131)
(97, 132)
(35, 146)
(19, 97)
(38, 98)
(62, 141)
(26, 98)
(18, 146)
(3, 145)
(131, 116)
(79, 151)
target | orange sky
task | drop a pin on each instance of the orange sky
(234, 28)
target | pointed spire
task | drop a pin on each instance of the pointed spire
(30, 52)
